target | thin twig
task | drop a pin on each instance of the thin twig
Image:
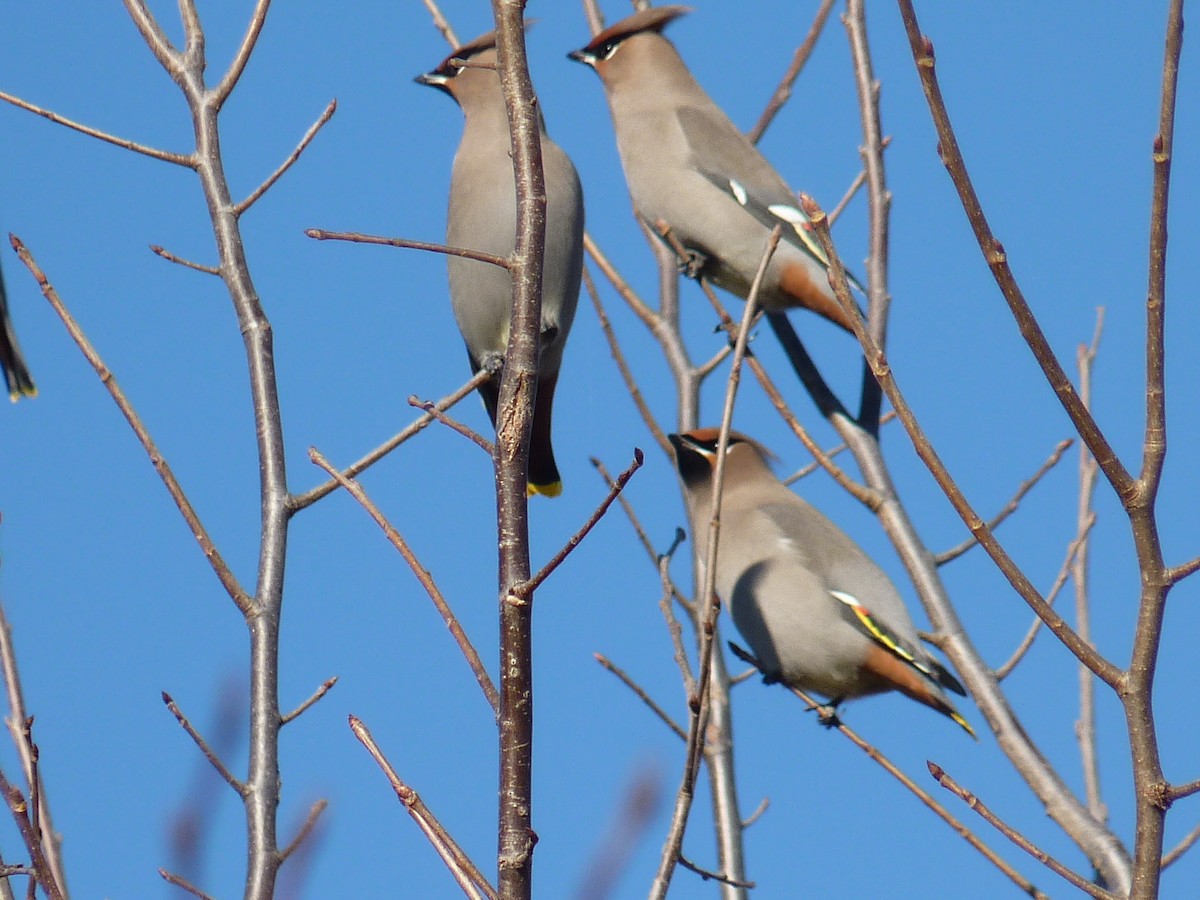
(707, 875)
(309, 497)
(180, 882)
(439, 601)
(453, 424)
(180, 159)
(618, 356)
(1182, 847)
(1011, 506)
(186, 263)
(440, 23)
(805, 471)
(208, 752)
(224, 574)
(19, 808)
(1074, 548)
(641, 695)
(1015, 836)
(310, 822)
(619, 485)
(290, 161)
(355, 237)
(1180, 572)
(245, 49)
(855, 186)
(17, 716)
(674, 629)
(320, 692)
(784, 91)
(465, 872)
(707, 605)
(758, 810)
(1085, 517)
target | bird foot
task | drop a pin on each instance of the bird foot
(827, 715)
(692, 265)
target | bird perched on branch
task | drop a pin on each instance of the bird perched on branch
(817, 612)
(16, 375)
(483, 216)
(688, 166)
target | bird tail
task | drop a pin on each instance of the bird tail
(12, 364)
(543, 472)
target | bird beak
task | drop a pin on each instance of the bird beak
(431, 79)
(582, 56)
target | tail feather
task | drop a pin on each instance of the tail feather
(543, 472)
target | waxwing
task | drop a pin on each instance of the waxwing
(12, 364)
(482, 216)
(689, 166)
(817, 612)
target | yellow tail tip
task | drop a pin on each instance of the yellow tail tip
(964, 724)
(546, 490)
(17, 394)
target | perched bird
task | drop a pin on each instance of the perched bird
(689, 166)
(483, 216)
(818, 614)
(16, 376)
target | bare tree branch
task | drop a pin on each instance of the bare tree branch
(638, 690)
(325, 688)
(708, 607)
(465, 872)
(1016, 837)
(423, 576)
(186, 263)
(309, 497)
(180, 882)
(179, 159)
(355, 237)
(208, 752)
(783, 92)
(1076, 546)
(292, 157)
(1011, 506)
(997, 260)
(529, 587)
(216, 561)
(16, 719)
(1073, 550)
(257, 19)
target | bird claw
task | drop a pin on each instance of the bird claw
(692, 265)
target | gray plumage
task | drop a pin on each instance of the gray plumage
(817, 612)
(16, 374)
(482, 216)
(689, 166)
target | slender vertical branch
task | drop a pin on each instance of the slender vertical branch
(187, 69)
(879, 205)
(997, 260)
(1085, 727)
(517, 389)
(1138, 688)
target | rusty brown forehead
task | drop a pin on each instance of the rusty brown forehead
(653, 19)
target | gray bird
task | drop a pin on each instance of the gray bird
(817, 612)
(482, 216)
(689, 166)
(16, 375)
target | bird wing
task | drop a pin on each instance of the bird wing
(727, 159)
(879, 632)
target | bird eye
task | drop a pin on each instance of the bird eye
(608, 49)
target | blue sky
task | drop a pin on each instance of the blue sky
(111, 603)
